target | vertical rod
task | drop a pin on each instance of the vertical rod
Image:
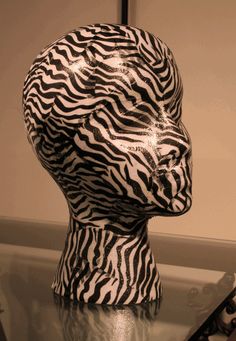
(124, 12)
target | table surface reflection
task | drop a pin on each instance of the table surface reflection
(29, 310)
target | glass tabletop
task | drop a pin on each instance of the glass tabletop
(30, 311)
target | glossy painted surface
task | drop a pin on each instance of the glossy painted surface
(102, 109)
(31, 312)
(103, 112)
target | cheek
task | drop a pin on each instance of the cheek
(130, 165)
(134, 172)
(109, 159)
(121, 164)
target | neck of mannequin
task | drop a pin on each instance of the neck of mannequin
(119, 225)
(107, 264)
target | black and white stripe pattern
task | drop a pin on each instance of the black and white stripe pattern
(102, 108)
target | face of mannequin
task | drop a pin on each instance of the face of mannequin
(103, 113)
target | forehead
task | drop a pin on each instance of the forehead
(101, 64)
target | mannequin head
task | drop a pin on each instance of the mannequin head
(102, 109)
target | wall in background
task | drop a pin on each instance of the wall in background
(201, 33)
(26, 28)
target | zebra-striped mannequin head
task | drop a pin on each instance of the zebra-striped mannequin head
(102, 108)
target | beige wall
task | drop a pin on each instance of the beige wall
(201, 33)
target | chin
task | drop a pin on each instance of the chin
(172, 210)
(177, 207)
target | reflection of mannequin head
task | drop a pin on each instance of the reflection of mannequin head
(102, 108)
(105, 323)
